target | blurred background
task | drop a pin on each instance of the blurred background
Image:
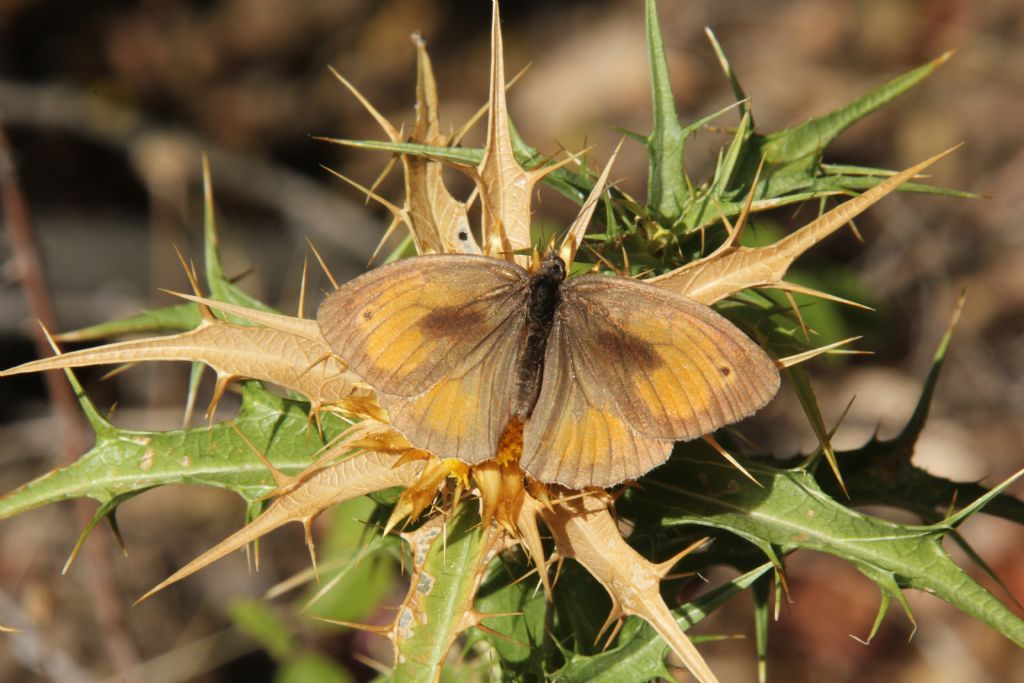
(108, 105)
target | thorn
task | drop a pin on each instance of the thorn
(842, 417)
(558, 568)
(499, 634)
(307, 527)
(615, 616)
(378, 117)
(395, 210)
(193, 281)
(110, 374)
(395, 222)
(800, 289)
(399, 513)
(574, 236)
(392, 162)
(662, 568)
(798, 358)
(224, 380)
(194, 378)
(611, 266)
(385, 631)
(457, 136)
(323, 266)
(799, 316)
(301, 313)
(280, 477)
(49, 339)
(710, 440)
(741, 222)
(379, 667)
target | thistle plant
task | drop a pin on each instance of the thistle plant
(498, 561)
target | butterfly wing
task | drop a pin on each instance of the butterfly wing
(438, 338)
(576, 435)
(629, 369)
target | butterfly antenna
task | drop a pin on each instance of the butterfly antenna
(323, 266)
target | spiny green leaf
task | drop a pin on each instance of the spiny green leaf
(221, 288)
(640, 654)
(802, 145)
(791, 511)
(125, 462)
(442, 598)
(666, 185)
(176, 318)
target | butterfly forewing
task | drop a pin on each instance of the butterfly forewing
(647, 367)
(405, 326)
(438, 338)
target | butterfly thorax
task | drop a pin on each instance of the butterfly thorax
(544, 296)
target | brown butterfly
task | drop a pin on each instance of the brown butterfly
(606, 372)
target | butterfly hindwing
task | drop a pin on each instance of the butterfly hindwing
(463, 415)
(576, 435)
(650, 366)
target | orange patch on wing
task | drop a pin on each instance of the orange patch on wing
(510, 448)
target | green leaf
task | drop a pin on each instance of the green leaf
(311, 667)
(443, 596)
(221, 288)
(125, 462)
(800, 146)
(640, 654)
(167, 319)
(790, 511)
(666, 185)
(257, 619)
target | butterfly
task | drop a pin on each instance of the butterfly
(603, 372)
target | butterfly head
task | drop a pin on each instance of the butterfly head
(552, 267)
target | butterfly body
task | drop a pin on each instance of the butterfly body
(605, 372)
(545, 295)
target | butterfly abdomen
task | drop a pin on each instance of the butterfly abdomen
(545, 287)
